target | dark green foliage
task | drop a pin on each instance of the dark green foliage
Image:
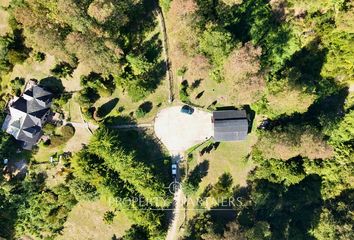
(39, 56)
(83, 190)
(108, 217)
(113, 164)
(62, 70)
(53, 85)
(59, 102)
(87, 97)
(12, 51)
(143, 109)
(7, 145)
(17, 85)
(223, 187)
(136, 232)
(45, 213)
(183, 92)
(104, 86)
(67, 132)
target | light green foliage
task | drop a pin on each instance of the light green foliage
(139, 64)
(278, 171)
(345, 129)
(106, 145)
(165, 4)
(216, 44)
(45, 212)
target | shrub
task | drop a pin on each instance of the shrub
(108, 217)
(39, 56)
(139, 113)
(67, 131)
(49, 129)
(183, 93)
(181, 71)
(62, 70)
(16, 85)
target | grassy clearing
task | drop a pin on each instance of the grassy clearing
(31, 69)
(72, 83)
(128, 107)
(72, 109)
(229, 157)
(85, 222)
(4, 26)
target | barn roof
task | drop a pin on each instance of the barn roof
(230, 125)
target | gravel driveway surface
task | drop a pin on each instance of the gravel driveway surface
(179, 131)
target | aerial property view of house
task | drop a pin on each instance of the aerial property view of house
(27, 115)
(230, 125)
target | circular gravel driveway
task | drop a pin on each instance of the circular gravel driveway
(179, 131)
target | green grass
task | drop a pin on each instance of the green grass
(85, 221)
(228, 157)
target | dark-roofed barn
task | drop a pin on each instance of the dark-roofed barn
(230, 125)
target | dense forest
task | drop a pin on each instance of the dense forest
(290, 61)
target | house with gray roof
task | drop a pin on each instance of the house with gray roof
(230, 125)
(27, 115)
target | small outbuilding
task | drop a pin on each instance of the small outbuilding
(230, 125)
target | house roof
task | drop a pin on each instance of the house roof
(25, 123)
(230, 125)
(38, 93)
(31, 107)
(229, 114)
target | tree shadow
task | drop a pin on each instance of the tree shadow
(146, 106)
(52, 84)
(251, 114)
(107, 107)
(289, 211)
(323, 112)
(197, 174)
(304, 67)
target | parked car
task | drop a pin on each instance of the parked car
(174, 169)
(187, 109)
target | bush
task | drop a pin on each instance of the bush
(108, 217)
(67, 131)
(16, 85)
(49, 129)
(139, 113)
(39, 56)
(183, 93)
(181, 71)
(62, 70)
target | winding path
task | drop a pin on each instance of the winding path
(169, 74)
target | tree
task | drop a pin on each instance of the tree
(242, 72)
(216, 44)
(294, 140)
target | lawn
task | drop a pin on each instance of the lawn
(85, 222)
(228, 157)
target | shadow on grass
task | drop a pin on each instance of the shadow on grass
(52, 84)
(107, 107)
